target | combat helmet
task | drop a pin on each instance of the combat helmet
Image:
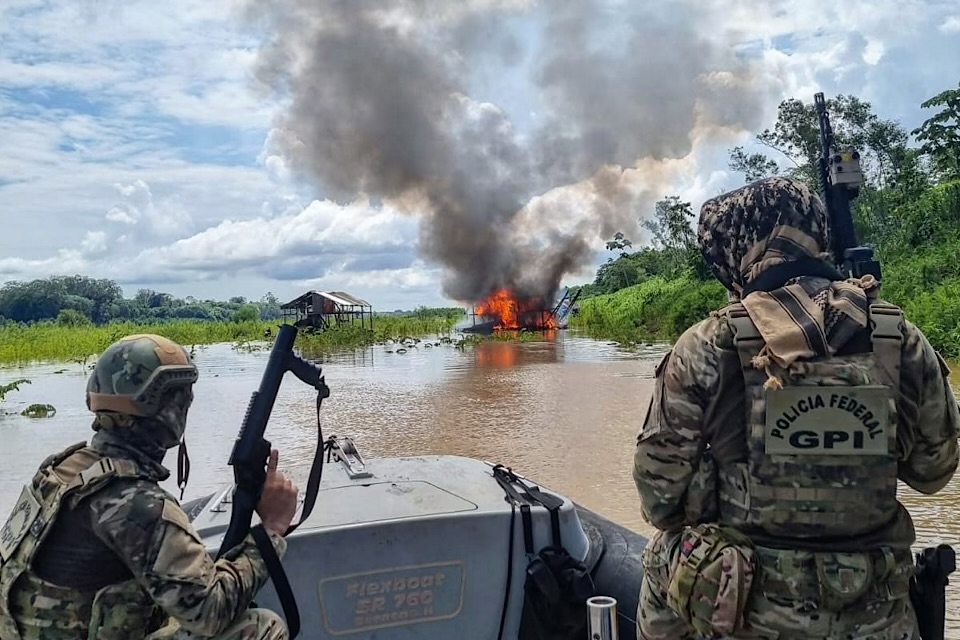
(133, 375)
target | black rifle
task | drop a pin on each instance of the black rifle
(928, 589)
(249, 459)
(840, 181)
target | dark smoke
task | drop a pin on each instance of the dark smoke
(378, 105)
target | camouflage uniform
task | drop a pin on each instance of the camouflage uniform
(811, 569)
(96, 549)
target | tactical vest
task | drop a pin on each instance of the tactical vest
(31, 607)
(821, 457)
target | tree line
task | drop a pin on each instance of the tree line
(908, 210)
(79, 300)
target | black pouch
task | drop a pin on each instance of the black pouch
(557, 585)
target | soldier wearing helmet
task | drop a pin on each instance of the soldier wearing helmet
(778, 429)
(95, 548)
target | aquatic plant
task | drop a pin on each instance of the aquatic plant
(34, 410)
(39, 411)
(11, 386)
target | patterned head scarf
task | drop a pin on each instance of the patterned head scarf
(768, 222)
(768, 244)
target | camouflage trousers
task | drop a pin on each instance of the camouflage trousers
(771, 616)
(254, 624)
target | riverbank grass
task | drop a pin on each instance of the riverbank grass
(51, 342)
(655, 309)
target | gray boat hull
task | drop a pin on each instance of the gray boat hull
(420, 548)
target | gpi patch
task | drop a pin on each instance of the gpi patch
(827, 420)
(18, 524)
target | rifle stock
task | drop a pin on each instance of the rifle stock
(249, 460)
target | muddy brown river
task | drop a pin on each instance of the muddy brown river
(564, 412)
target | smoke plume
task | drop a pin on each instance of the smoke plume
(379, 103)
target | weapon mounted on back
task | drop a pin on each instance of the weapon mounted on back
(840, 181)
(249, 459)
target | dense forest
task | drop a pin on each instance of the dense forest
(79, 300)
(909, 211)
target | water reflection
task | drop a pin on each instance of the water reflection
(509, 355)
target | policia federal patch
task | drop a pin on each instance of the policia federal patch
(827, 420)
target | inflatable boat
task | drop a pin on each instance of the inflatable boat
(433, 548)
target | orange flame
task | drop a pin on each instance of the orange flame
(511, 312)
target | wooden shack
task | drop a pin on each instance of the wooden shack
(324, 309)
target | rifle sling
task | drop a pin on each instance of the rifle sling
(279, 577)
(316, 473)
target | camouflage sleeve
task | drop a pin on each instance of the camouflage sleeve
(152, 534)
(929, 420)
(673, 436)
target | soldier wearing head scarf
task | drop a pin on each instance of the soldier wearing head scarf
(96, 549)
(779, 426)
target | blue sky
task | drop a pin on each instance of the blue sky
(135, 144)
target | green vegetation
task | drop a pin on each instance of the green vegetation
(81, 343)
(79, 300)
(909, 211)
(39, 411)
(387, 328)
(655, 308)
(11, 386)
(34, 410)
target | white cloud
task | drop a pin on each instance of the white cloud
(167, 220)
(94, 243)
(873, 52)
(951, 25)
(417, 277)
(321, 229)
(321, 241)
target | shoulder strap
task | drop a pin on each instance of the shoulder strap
(746, 336)
(110, 467)
(886, 322)
(93, 476)
(56, 458)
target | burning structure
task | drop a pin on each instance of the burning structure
(506, 311)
